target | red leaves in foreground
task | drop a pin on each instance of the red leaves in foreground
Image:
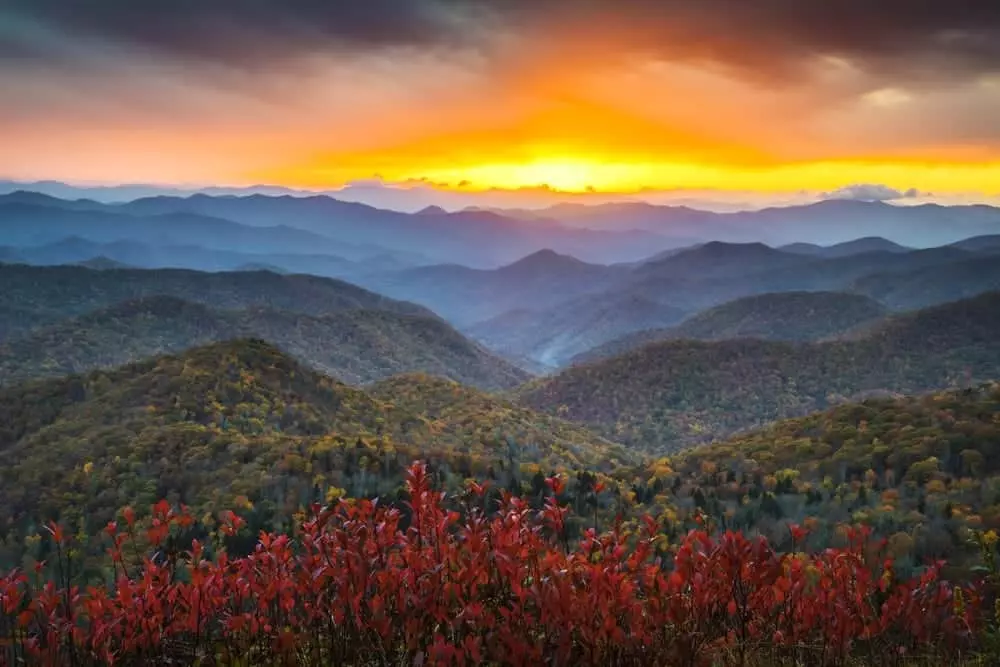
(361, 585)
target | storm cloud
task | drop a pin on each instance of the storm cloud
(327, 91)
(767, 38)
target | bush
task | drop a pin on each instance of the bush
(361, 583)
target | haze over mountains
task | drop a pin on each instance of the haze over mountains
(603, 234)
(545, 306)
(268, 354)
(680, 392)
(585, 333)
(356, 345)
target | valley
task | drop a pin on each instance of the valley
(155, 352)
(501, 333)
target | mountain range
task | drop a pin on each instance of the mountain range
(826, 222)
(319, 224)
(605, 233)
(36, 295)
(241, 422)
(356, 346)
(263, 353)
(558, 309)
(539, 311)
(787, 316)
(665, 395)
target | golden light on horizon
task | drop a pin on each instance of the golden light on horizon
(616, 101)
(571, 174)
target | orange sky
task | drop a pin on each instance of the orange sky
(576, 111)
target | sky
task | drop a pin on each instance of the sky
(762, 99)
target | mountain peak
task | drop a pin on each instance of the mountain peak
(721, 246)
(722, 249)
(545, 258)
(432, 210)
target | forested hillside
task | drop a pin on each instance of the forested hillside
(919, 287)
(242, 425)
(788, 316)
(47, 294)
(353, 345)
(921, 470)
(665, 395)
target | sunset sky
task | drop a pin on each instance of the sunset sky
(766, 96)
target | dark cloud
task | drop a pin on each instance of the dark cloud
(249, 31)
(913, 38)
(871, 192)
(920, 38)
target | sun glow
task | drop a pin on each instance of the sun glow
(583, 175)
(558, 173)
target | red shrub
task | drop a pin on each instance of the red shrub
(356, 587)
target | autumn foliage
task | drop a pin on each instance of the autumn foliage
(361, 583)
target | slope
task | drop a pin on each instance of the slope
(668, 394)
(466, 296)
(356, 345)
(467, 415)
(917, 288)
(848, 248)
(846, 441)
(54, 293)
(33, 225)
(921, 471)
(788, 316)
(552, 336)
(242, 425)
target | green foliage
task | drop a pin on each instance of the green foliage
(923, 472)
(242, 425)
(52, 293)
(667, 395)
(788, 316)
(354, 345)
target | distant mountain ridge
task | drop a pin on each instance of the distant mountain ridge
(355, 346)
(480, 238)
(47, 294)
(609, 233)
(781, 316)
(825, 223)
(466, 296)
(553, 336)
(855, 247)
(669, 394)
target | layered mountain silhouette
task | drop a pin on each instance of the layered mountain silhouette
(609, 233)
(787, 316)
(47, 294)
(354, 345)
(466, 296)
(553, 336)
(855, 247)
(668, 394)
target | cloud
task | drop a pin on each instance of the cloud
(871, 192)
(246, 33)
(773, 38)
